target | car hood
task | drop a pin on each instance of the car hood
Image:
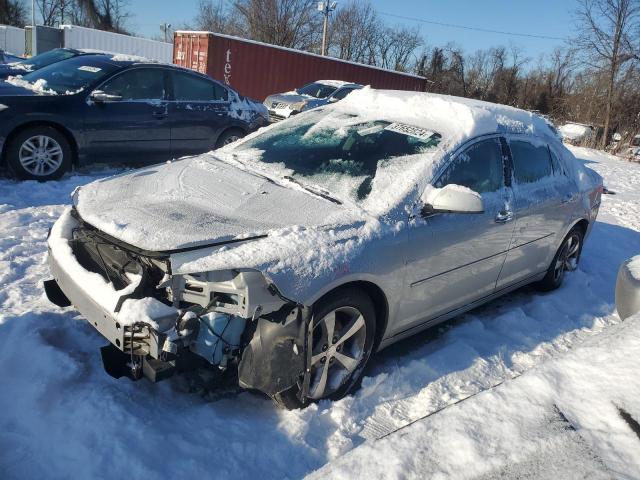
(199, 201)
(9, 90)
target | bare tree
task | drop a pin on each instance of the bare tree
(49, 11)
(609, 39)
(109, 15)
(214, 16)
(13, 12)
(288, 23)
(354, 32)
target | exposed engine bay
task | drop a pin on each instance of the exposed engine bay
(231, 319)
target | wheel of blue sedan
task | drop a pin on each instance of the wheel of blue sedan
(39, 153)
(343, 333)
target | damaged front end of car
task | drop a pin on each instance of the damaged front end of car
(159, 324)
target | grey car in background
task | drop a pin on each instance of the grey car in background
(312, 95)
(294, 254)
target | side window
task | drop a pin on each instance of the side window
(191, 88)
(137, 84)
(530, 163)
(558, 168)
(479, 168)
(340, 94)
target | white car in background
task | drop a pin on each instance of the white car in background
(312, 95)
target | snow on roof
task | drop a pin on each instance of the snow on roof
(455, 118)
(333, 83)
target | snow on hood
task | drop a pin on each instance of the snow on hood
(197, 201)
(39, 86)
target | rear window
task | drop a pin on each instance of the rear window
(530, 163)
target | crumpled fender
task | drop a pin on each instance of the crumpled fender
(277, 356)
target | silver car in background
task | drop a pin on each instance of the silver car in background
(294, 254)
(312, 95)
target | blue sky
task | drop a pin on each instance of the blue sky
(539, 17)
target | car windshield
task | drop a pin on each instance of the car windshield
(72, 75)
(47, 58)
(346, 155)
(635, 142)
(317, 90)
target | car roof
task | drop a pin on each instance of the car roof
(455, 118)
(133, 60)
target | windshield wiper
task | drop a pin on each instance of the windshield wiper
(312, 190)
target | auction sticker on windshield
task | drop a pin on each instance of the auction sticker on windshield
(87, 68)
(410, 130)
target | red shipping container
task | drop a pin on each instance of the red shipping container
(257, 70)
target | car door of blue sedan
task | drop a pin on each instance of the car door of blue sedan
(133, 123)
(199, 111)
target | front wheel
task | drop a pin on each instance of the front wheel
(229, 136)
(39, 153)
(565, 260)
(343, 333)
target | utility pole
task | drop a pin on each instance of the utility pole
(326, 8)
(165, 27)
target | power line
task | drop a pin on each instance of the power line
(477, 29)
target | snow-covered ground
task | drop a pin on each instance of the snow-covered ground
(545, 375)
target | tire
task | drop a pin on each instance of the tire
(229, 136)
(39, 153)
(566, 259)
(354, 317)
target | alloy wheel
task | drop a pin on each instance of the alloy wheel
(338, 348)
(567, 260)
(40, 155)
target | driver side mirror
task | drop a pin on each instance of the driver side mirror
(332, 99)
(451, 199)
(100, 96)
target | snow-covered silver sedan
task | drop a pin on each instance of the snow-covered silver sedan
(292, 255)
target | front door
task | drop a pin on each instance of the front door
(134, 125)
(454, 259)
(199, 111)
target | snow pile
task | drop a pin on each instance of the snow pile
(562, 420)
(575, 131)
(634, 267)
(39, 86)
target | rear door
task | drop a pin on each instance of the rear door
(454, 259)
(199, 111)
(543, 201)
(134, 127)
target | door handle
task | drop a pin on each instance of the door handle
(160, 114)
(504, 216)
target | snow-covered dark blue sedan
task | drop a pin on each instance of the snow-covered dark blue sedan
(106, 108)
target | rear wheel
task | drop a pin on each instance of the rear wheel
(342, 340)
(39, 153)
(565, 260)
(229, 136)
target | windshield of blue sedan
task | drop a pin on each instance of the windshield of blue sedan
(47, 58)
(340, 153)
(72, 75)
(317, 90)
